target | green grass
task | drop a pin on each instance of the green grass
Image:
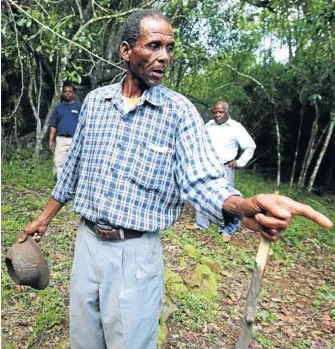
(26, 187)
(28, 174)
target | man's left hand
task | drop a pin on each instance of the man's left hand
(232, 164)
(271, 214)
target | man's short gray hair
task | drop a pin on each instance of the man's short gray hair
(131, 30)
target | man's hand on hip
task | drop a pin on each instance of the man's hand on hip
(232, 164)
(271, 214)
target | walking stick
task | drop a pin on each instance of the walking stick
(253, 294)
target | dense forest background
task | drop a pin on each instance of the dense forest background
(273, 61)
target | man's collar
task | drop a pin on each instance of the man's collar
(153, 95)
(228, 122)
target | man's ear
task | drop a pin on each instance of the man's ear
(125, 51)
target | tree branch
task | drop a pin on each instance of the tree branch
(80, 11)
(251, 78)
(20, 60)
(108, 17)
(63, 37)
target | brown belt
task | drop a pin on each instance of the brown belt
(110, 233)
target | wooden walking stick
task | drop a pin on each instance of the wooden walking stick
(253, 294)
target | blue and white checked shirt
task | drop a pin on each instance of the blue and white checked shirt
(135, 170)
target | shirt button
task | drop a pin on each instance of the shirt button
(119, 145)
(112, 169)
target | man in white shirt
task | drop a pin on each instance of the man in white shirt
(227, 136)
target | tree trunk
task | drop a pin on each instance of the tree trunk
(310, 149)
(323, 150)
(278, 149)
(297, 147)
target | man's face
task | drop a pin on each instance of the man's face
(67, 94)
(152, 52)
(220, 113)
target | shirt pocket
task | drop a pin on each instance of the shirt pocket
(152, 166)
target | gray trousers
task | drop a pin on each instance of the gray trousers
(201, 220)
(116, 292)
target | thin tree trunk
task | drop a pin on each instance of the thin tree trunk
(58, 85)
(297, 147)
(16, 134)
(323, 150)
(310, 149)
(278, 149)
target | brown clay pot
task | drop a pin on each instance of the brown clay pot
(26, 264)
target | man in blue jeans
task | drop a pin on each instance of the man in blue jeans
(140, 151)
(228, 136)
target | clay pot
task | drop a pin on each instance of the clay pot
(26, 264)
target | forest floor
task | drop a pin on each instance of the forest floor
(206, 279)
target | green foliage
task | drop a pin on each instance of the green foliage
(195, 311)
(266, 317)
(265, 342)
(28, 174)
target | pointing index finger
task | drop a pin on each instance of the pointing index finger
(307, 211)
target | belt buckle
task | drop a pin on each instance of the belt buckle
(109, 233)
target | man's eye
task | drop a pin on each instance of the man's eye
(170, 48)
(153, 46)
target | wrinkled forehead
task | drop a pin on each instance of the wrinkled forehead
(150, 26)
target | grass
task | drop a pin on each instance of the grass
(39, 319)
(26, 189)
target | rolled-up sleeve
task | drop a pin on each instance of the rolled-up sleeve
(65, 188)
(53, 118)
(199, 173)
(246, 143)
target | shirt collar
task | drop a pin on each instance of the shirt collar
(153, 95)
(227, 123)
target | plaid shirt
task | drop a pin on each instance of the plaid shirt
(135, 170)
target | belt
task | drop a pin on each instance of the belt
(66, 136)
(226, 163)
(110, 233)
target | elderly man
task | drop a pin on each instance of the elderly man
(140, 151)
(228, 136)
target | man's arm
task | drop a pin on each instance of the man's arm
(271, 214)
(38, 227)
(248, 146)
(52, 134)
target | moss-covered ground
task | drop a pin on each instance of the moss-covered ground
(206, 279)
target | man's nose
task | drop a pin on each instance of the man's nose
(164, 55)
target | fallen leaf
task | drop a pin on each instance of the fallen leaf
(283, 317)
(289, 331)
(269, 330)
(326, 316)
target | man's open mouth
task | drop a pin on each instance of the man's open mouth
(158, 72)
